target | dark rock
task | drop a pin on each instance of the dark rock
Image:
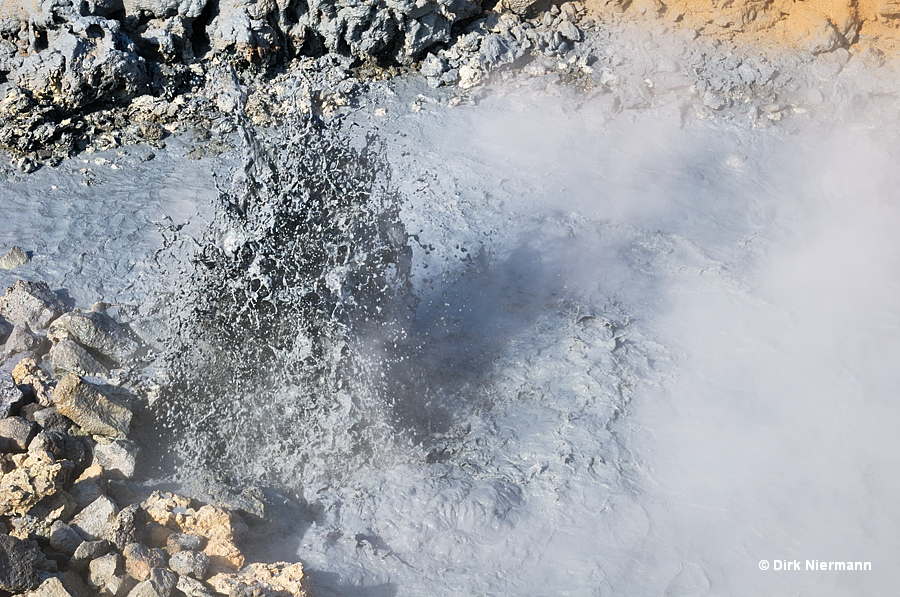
(11, 397)
(32, 303)
(91, 408)
(185, 542)
(18, 565)
(64, 538)
(63, 447)
(50, 420)
(6, 329)
(190, 563)
(17, 431)
(130, 524)
(74, 584)
(29, 410)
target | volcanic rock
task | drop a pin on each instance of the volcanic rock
(32, 303)
(52, 587)
(14, 258)
(160, 583)
(161, 506)
(221, 528)
(88, 486)
(64, 538)
(265, 580)
(88, 551)
(97, 520)
(22, 339)
(139, 560)
(62, 445)
(192, 587)
(184, 542)
(91, 408)
(39, 476)
(11, 397)
(68, 356)
(101, 570)
(49, 419)
(117, 457)
(17, 431)
(95, 330)
(27, 374)
(18, 565)
(130, 526)
(190, 563)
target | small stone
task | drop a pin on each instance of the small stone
(192, 587)
(17, 431)
(62, 445)
(160, 583)
(31, 527)
(14, 258)
(91, 408)
(36, 477)
(74, 584)
(119, 585)
(18, 565)
(52, 587)
(130, 524)
(570, 31)
(64, 538)
(156, 535)
(102, 569)
(117, 457)
(11, 397)
(88, 551)
(88, 486)
(280, 578)
(139, 560)
(32, 303)
(95, 330)
(97, 520)
(67, 356)
(433, 66)
(161, 507)
(22, 339)
(27, 374)
(59, 506)
(469, 77)
(49, 419)
(221, 528)
(6, 329)
(190, 563)
(185, 542)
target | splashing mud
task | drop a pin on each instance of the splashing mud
(307, 252)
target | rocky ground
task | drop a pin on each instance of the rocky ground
(101, 74)
(74, 523)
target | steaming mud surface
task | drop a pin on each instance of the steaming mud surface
(631, 354)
